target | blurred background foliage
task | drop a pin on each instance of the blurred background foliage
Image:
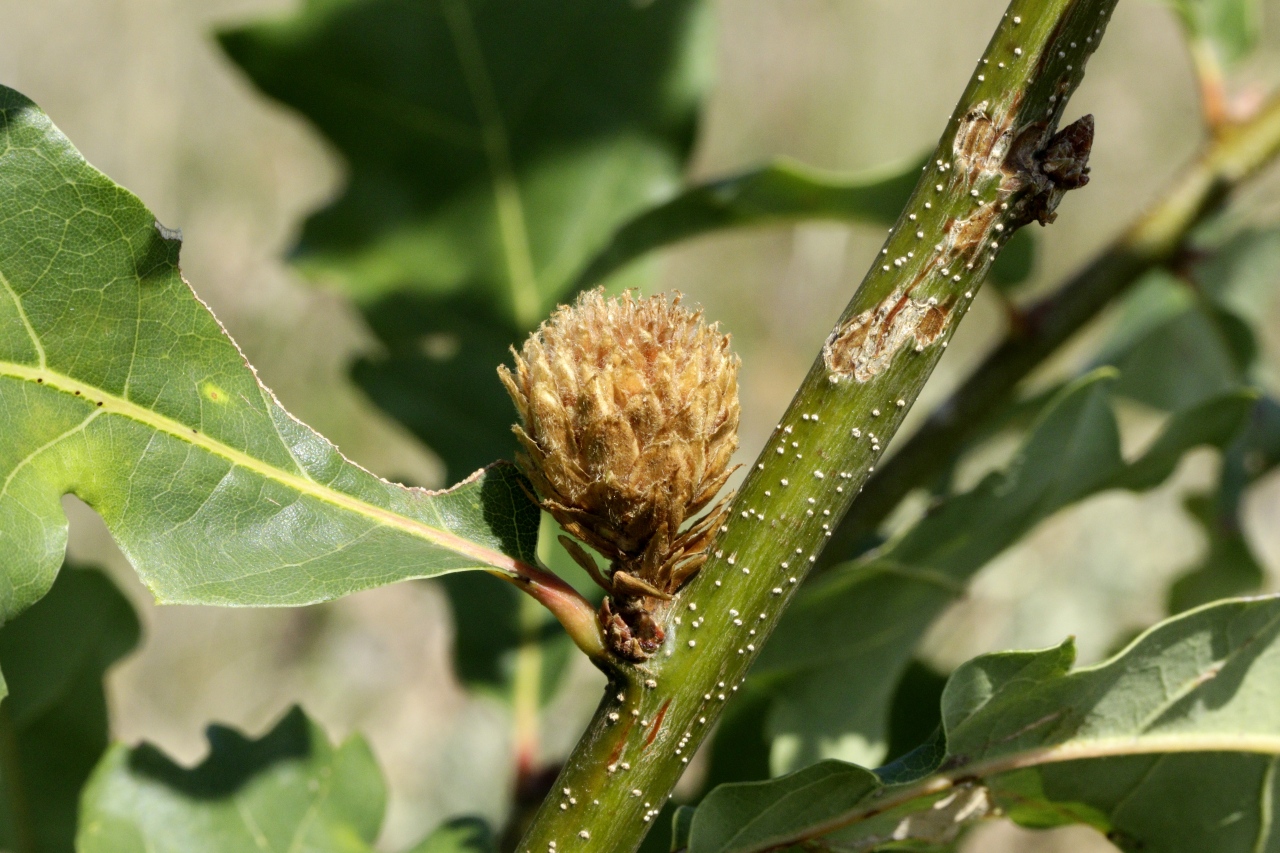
(379, 196)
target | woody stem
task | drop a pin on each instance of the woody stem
(982, 184)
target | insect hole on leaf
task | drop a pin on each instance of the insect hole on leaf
(629, 411)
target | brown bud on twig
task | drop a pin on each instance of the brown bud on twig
(630, 416)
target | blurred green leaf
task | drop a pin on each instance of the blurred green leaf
(913, 714)
(1016, 263)
(289, 790)
(118, 385)
(1170, 747)
(1200, 328)
(681, 825)
(463, 835)
(53, 724)
(785, 191)
(1163, 323)
(1211, 348)
(1232, 27)
(839, 654)
(492, 148)
(437, 375)
(1228, 567)
(1238, 273)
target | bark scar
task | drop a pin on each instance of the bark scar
(865, 345)
(657, 723)
(1035, 169)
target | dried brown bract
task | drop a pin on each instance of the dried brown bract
(630, 416)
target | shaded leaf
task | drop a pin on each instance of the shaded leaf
(462, 835)
(681, 826)
(913, 714)
(289, 790)
(436, 375)
(54, 721)
(1211, 349)
(1166, 322)
(839, 653)
(1017, 261)
(785, 191)
(1202, 330)
(1169, 747)
(1238, 273)
(1228, 567)
(118, 385)
(492, 146)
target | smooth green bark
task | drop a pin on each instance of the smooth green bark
(968, 202)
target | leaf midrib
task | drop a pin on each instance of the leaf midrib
(107, 403)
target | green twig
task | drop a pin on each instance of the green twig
(992, 171)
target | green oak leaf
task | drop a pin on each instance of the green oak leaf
(1172, 746)
(1201, 328)
(1228, 567)
(1165, 321)
(832, 686)
(118, 385)
(290, 790)
(54, 720)
(492, 147)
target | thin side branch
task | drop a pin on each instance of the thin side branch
(570, 607)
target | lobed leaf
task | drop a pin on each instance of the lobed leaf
(1200, 325)
(54, 721)
(289, 790)
(511, 137)
(118, 385)
(492, 148)
(1170, 746)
